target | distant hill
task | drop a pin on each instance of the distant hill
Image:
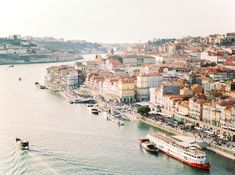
(19, 50)
(82, 47)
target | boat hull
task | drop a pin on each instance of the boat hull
(96, 113)
(196, 165)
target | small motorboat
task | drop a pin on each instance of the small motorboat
(42, 87)
(90, 105)
(23, 144)
(94, 111)
(148, 146)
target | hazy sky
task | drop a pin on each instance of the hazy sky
(116, 20)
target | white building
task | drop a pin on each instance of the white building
(110, 86)
(145, 82)
(196, 108)
(233, 117)
(183, 108)
(130, 60)
(205, 56)
(147, 59)
(138, 60)
(165, 97)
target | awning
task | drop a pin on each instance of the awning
(144, 103)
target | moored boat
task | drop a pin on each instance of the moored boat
(38, 85)
(74, 101)
(148, 146)
(181, 151)
(42, 87)
(94, 111)
(90, 105)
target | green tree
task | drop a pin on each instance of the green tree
(143, 110)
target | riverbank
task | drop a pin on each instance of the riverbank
(40, 62)
(221, 151)
(212, 147)
(160, 126)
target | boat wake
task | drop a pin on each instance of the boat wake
(23, 162)
(39, 160)
(15, 161)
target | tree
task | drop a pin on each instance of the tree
(143, 110)
(213, 64)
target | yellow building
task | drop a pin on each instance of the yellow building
(126, 89)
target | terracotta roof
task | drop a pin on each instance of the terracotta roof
(114, 62)
(229, 102)
(96, 62)
(174, 97)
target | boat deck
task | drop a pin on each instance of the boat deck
(181, 145)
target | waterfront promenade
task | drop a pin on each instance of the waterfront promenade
(107, 103)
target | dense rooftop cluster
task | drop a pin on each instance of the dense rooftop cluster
(193, 78)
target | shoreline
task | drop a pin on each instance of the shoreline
(40, 62)
(160, 126)
(60, 61)
(213, 148)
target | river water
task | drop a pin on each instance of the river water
(66, 139)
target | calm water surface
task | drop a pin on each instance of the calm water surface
(66, 139)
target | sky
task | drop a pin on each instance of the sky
(116, 21)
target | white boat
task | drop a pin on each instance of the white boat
(181, 151)
(115, 120)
